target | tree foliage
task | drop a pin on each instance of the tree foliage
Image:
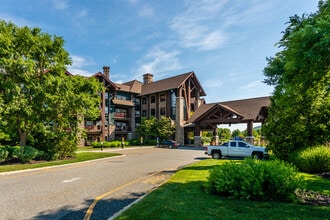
(224, 133)
(300, 106)
(154, 127)
(37, 96)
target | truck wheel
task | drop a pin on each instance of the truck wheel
(257, 156)
(216, 155)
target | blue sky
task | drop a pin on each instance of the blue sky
(225, 42)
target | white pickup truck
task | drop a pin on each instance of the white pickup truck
(236, 149)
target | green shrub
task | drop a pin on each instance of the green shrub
(150, 142)
(25, 153)
(3, 153)
(96, 144)
(312, 160)
(106, 144)
(255, 180)
(135, 142)
(11, 150)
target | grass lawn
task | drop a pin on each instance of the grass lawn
(182, 197)
(80, 157)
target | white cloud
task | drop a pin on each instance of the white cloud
(78, 65)
(212, 83)
(60, 4)
(253, 85)
(209, 24)
(131, 2)
(158, 61)
(196, 28)
(146, 12)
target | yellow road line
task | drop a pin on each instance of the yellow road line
(97, 199)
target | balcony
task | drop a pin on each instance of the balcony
(123, 129)
(121, 115)
(93, 129)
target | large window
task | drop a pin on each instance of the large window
(152, 112)
(162, 111)
(144, 113)
(144, 101)
(136, 101)
(153, 99)
(162, 97)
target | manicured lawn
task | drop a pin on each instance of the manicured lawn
(80, 156)
(182, 197)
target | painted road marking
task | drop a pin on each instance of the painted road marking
(97, 199)
(71, 180)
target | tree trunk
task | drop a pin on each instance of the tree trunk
(22, 137)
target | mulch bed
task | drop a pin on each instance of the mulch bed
(314, 198)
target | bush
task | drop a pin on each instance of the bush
(150, 142)
(109, 144)
(3, 153)
(11, 150)
(96, 144)
(25, 153)
(255, 180)
(312, 160)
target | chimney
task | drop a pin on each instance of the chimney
(148, 78)
(106, 71)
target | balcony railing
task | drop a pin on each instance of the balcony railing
(123, 129)
(121, 115)
(93, 127)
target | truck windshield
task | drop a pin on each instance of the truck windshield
(225, 144)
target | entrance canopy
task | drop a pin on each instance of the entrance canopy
(208, 116)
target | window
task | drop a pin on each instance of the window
(121, 97)
(162, 111)
(137, 114)
(153, 112)
(136, 101)
(233, 144)
(144, 113)
(89, 123)
(144, 101)
(153, 99)
(162, 97)
(242, 144)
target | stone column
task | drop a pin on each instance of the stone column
(179, 120)
(249, 138)
(198, 141)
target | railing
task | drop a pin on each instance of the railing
(93, 127)
(123, 129)
(120, 115)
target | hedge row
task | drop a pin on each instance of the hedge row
(118, 143)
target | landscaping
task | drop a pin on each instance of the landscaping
(184, 197)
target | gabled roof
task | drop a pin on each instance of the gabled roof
(170, 83)
(133, 86)
(248, 109)
(108, 83)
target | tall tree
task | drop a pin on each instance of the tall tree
(34, 87)
(300, 106)
(154, 127)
